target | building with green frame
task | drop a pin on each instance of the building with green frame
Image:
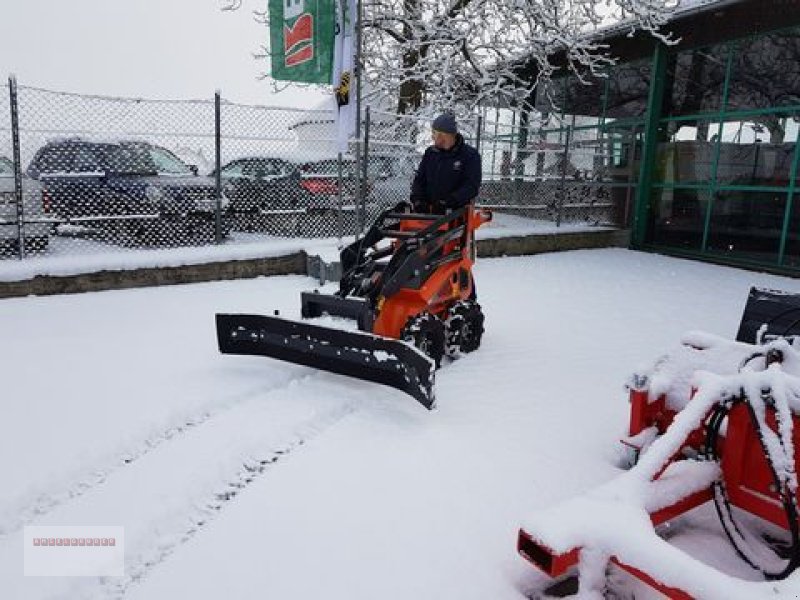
(699, 137)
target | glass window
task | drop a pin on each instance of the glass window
(792, 251)
(86, 160)
(55, 159)
(129, 159)
(766, 72)
(265, 168)
(757, 151)
(259, 169)
(694, 81)
(282, 167)
(329, 168)
(687, 152)
(233, 170)
(628, 88)
(623, 150)
(678, 217)
(747, 224)
(6, 167)
(167, 163)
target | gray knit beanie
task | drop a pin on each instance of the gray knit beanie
(445, 123)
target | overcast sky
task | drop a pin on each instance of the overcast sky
(143, 48)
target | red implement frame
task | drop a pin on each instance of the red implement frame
(745, 472)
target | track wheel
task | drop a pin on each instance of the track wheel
(464, 327)
(426, 332)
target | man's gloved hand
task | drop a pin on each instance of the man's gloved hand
(402, 207)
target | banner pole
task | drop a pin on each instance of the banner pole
(357, 72)
(359, 24)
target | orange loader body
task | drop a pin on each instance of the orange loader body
(441, 290)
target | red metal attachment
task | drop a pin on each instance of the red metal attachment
(744, 469)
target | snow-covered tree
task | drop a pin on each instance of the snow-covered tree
(458, 54)
(467, 52)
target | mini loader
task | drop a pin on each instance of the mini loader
(714, 421)
(407, 285)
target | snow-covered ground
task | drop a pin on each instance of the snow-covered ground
(243, 477)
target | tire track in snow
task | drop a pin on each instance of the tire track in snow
(169, 495)
(46, 502)
(140, 566)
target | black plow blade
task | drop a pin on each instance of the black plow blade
(352, 353)
(769, 314)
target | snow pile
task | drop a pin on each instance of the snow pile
(671, 375)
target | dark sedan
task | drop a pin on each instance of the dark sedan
(260, 183)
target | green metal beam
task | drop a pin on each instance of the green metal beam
(789, 201)
(713, 189)
(732, 260)
(654, 103)
(722, 187)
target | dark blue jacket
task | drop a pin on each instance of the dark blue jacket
(446, 178)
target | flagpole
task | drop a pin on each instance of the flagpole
(359, 21)
(357, 72)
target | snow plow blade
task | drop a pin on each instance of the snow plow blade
(774, 313)
(352, 353)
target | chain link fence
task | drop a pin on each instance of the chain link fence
(557, 172)
(99, 174)
(282, 175)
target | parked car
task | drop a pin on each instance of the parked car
(137, 191)
(275, 184)
(36, 227)
(395, 175)
(319, 180)
(261, 184)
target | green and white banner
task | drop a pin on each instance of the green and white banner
(301, 39)
(344, 83)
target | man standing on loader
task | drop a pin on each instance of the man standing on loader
(449, 174)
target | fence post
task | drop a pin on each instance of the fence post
(12, 90)
(478, 134)
(358, 175)
(494, 139)
(513, 184)
(362, 203)
(218, 166)
(339, 203)
(562, 195)
(522, 143)
(478, 147)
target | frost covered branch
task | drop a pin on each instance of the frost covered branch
(426, 55)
